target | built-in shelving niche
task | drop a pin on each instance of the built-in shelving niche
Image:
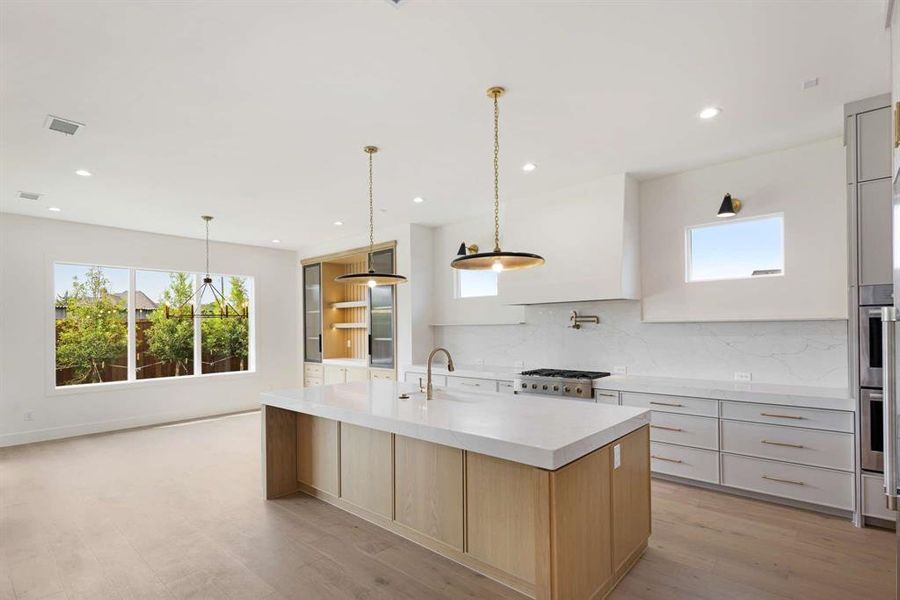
(345, 328)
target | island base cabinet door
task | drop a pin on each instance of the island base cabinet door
(631, 496)
(367, 469)
(428, 489)
(582, 566)
(502, 517)
(279, 434)
(317, 453)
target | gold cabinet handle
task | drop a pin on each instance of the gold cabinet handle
(470, 384)
(667, 404)
(790, 481)
(666, 428)
(777, 416)
(786, 445)
(671, 460)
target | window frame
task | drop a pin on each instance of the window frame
(457, 286)
(132, 382)
(688, 254)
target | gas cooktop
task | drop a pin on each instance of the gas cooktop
(558, 382)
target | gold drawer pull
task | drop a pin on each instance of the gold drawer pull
(667, 404)
(666, 428)
(671, 460)
(470, 384)
(777, 416)
(790, 481)
(786, 445)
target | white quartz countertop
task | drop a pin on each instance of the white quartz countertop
(533, 430)
(763, 393)
(485, 372)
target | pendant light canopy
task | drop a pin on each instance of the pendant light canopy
(498, 260)
(218, 308)
(371, 277)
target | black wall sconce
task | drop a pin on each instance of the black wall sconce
(730, 206)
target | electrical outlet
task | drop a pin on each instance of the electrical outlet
(479, 362)
(348, 343)
(741, 376)
(617, 456)
(620, 370)
(28, 416)
(519, 364)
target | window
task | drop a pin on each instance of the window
(739, 249)
(475, 284)
(93, 341)
(164, 347)
(91, 324)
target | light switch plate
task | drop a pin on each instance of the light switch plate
(617, 456)
(519, 364)
(620, 370)
(741, 376)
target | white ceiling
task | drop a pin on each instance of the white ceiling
(257, 112)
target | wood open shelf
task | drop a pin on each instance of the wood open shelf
(350, 325)
(350, 304)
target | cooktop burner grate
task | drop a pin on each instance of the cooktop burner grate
(565, 373)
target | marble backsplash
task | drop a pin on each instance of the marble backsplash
(789, 352)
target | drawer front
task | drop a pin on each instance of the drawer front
(505, 386)
(686, 430)
(311, 370)
(830, 420)
(873, 498)
(675, 404)
(804, 446)
(807, 484)
(382, 374)
(311, 381)
(606, 397)
(690, 463)
(488, 385)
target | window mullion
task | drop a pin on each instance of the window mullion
(132, 327)
(198, 349)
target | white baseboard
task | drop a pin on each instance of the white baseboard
(67, 431)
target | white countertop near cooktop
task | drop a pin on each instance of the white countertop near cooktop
(764, 393)
(524, 429)
(485, 372)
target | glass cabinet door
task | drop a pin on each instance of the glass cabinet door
(381, 314)
(312, 313)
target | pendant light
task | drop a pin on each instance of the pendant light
(371, 277)
(498, 260)
(223, 308)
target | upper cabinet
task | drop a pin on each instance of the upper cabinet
(312, 313)
(589, 237)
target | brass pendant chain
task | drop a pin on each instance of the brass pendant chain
(370, 150)
(496, 173)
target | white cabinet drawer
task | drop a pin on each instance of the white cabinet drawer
(873, 498)
(686, 430)
(487, 385)
(505, 386)
(804, 446)
(811, 418)
(414, 377)
(690, 463)
(313, 370)
(677, 404)
(312, 381)
(606, 396)
(807, 484)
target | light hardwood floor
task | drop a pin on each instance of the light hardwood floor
(177, 512)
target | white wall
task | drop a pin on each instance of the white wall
(28, 248)
(806, 183)
(790, 352)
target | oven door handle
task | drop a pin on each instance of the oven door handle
(889, 403)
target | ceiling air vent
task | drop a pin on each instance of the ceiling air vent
(28, 196)
(61, 125)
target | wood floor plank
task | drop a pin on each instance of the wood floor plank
(75, 522)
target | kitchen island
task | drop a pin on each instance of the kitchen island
(550, 497)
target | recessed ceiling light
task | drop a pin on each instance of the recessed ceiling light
(418, 199)
(276, 241)
(710, 112)
(54, 209)
(529, 167)
(83, 173)
(338, 223)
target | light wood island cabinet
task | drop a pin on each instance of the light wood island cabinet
(564, 534)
